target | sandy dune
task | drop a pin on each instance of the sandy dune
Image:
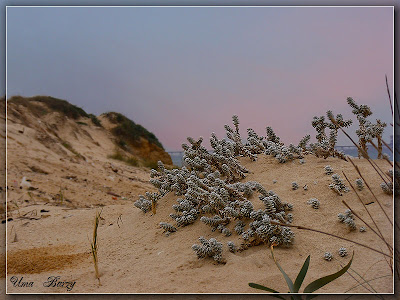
(135, 256)
(49, 233)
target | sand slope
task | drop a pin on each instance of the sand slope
(135, 256)
(49, 237)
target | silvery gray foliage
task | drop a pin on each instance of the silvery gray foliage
(359, 110)
(289, 217)
(314, 203)
(208, 183)
(387, 188)
(254, 142)
(226, 232)
(338, 185)
(303, 142)
(348, 219)
(342, 251)
(295, 186)
(328, 170)
(209, 248)
(360, 184)
(350, 223)
(281, 152)
(239, 227)
(167, 227)
(145, 202)
(302, 161)
(363, 229)
(169, 180)
(328, 256)
(214, 221)
(238, 147)
(305, 187)
(231, 247)
(325, 146)
(263, 230)
(271, 136)
(183, 204)
(186, 217)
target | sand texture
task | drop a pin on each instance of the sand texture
(135, 256)
(53, 217)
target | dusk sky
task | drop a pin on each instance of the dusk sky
(185, 71)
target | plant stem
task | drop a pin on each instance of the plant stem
(330, 234)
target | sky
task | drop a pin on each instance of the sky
(185, 71)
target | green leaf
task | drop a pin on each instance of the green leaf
(300, 277)
(309, 297)
(264, 288)
(288, 280)
(315, 285)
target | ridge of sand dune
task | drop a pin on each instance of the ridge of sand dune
(69, 176)
(67, 160)
(135, 256)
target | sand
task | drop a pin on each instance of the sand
(135, 256)
(49, 237)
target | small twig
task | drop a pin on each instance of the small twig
(113, 194)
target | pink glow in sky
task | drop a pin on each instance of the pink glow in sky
(185, 71)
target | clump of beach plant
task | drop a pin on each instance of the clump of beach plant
(338, 185)
(348, 219)
(231, 247)
(363, 229)
(314, 203)
(295, 287)
(209, 248)
(147, 202)
(328, 170)
(328, 256)
(387, 188)
(360, 184)
(342, 251)
(367, 130)
(295, 186)
(210, 190)
(325, 146)
(168, 228)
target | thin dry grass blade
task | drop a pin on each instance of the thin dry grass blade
(380, 233)
(390, 99)
(365, 207)
(365, 154)
(366, 183)
(369, 280)
(330, 234)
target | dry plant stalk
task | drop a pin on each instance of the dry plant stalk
(153, 206)
(330, 234)
(94, 244)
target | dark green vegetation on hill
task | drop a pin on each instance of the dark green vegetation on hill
(53, 104)
(130, 132)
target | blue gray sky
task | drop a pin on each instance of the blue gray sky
(185, 71)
